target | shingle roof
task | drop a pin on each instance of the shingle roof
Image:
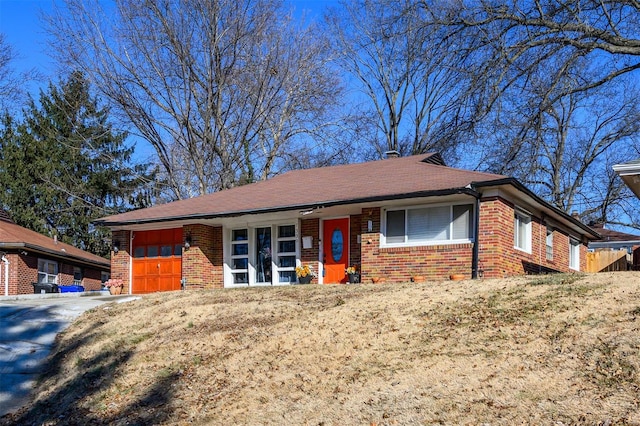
(383, 179)
(13, 236)
(611, 235)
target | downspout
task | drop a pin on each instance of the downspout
(6, 275)
(475, 256)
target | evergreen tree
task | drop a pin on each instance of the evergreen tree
(65, 166)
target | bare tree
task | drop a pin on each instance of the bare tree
(548, 38)
(11, 82)
(223, 90)
(412, 76)
(559, 98)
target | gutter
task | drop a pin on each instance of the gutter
(6, 274)
(475, 255)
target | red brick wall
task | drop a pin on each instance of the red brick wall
(310, 228)
(401, 263)
(121, 261)
(23, 272)
(202, 263)
(499, 258)
(355, 247)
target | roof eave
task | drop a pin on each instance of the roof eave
(555, 210)
(57, 254)
(326, 203)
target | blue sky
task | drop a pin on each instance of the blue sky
(20, 23)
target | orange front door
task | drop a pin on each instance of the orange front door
(335, 247)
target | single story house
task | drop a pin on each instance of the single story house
(27, 257)
(392, 218)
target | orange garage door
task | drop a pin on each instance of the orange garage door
(157, 261)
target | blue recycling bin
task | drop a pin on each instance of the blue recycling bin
(70, 288)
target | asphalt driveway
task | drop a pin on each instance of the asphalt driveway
(28, 327)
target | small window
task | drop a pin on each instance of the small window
(166, 251)
(138, 252)
(77, 275)
(47, 271)
(549, 244)
(522, 231)
(152, 251)
(574, 254)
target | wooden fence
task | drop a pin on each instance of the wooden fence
(608, 260)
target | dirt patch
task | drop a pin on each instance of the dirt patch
(559, 349)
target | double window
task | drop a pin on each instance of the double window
(47, 271)
(429, 225)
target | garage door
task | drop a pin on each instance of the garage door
(157, 261)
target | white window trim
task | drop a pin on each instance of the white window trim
(524, 215)
(228, 258)
(574, 248)
(549, 248)
(422, 243)
(41, 263)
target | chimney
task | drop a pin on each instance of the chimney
(392, 154)
(55, 239)
(575, 215)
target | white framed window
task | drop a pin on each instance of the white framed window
(549, 244)
(286, 253)
(428, 225)
(522, 231)
(262, 255)
(574, 254)
(240, 256)
(77, 275)
(47, 271)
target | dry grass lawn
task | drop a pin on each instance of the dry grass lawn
(554, 350)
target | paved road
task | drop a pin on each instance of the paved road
(28, 327)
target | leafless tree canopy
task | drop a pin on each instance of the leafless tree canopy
(224, 90)
(558, 84)
(413, 78)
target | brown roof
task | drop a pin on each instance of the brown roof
(377, 180)
(611, 235)
(13, 236)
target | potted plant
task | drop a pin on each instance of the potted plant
(114, 285)
(353, 274)
(305, 274)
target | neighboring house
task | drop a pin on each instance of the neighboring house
(27, 257)
(392, 218)
(614, 251)
(613, 240)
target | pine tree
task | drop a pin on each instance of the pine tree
(64, 166)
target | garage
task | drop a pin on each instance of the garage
(157, 260)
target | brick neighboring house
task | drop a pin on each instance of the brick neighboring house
(28, 257)
(392, 218)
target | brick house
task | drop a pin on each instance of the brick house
(27, 257)
(392, 218)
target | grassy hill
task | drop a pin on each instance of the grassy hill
(558, 349)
